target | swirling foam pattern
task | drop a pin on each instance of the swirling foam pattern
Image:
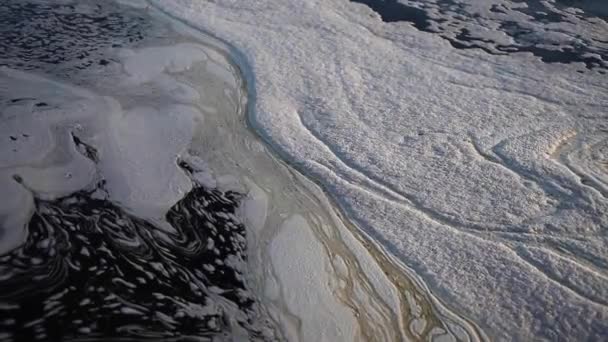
(68, 35)
(90, 268)
(106, 232)
(451, 158)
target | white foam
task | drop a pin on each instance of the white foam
(484, 19)
(295, 252)
(136, 147)
(148, 63)
(36, 156)
(444, 155)
(143, 145)
(177, 90)
(254, 208)
(17, 204)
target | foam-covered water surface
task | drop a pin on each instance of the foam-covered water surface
(554, 31)
(88, 268)
(138, 205)
(483, 172)
(65, 35)
(107, 231)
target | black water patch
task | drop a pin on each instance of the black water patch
(393, 11)
(21, 99)
(564, 55)
(85, 149)
(92, 271)
(589, 8)
(454, 15)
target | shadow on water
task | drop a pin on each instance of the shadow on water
(525, 39)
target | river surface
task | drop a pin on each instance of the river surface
(139, 204)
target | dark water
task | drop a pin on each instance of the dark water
(393, 11)
(61, 37)
(453, 14)
(590, 8)
(90, 270)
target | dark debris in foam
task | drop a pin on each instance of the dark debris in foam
(74, 34)
(89, 269)
(396, 11)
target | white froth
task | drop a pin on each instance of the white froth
(136, 148)
(177, 90)
(36, 156)
(301, 266)
(254, 208)
(448, 156)
(143, 146)
(572, 30)
(148, 63)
